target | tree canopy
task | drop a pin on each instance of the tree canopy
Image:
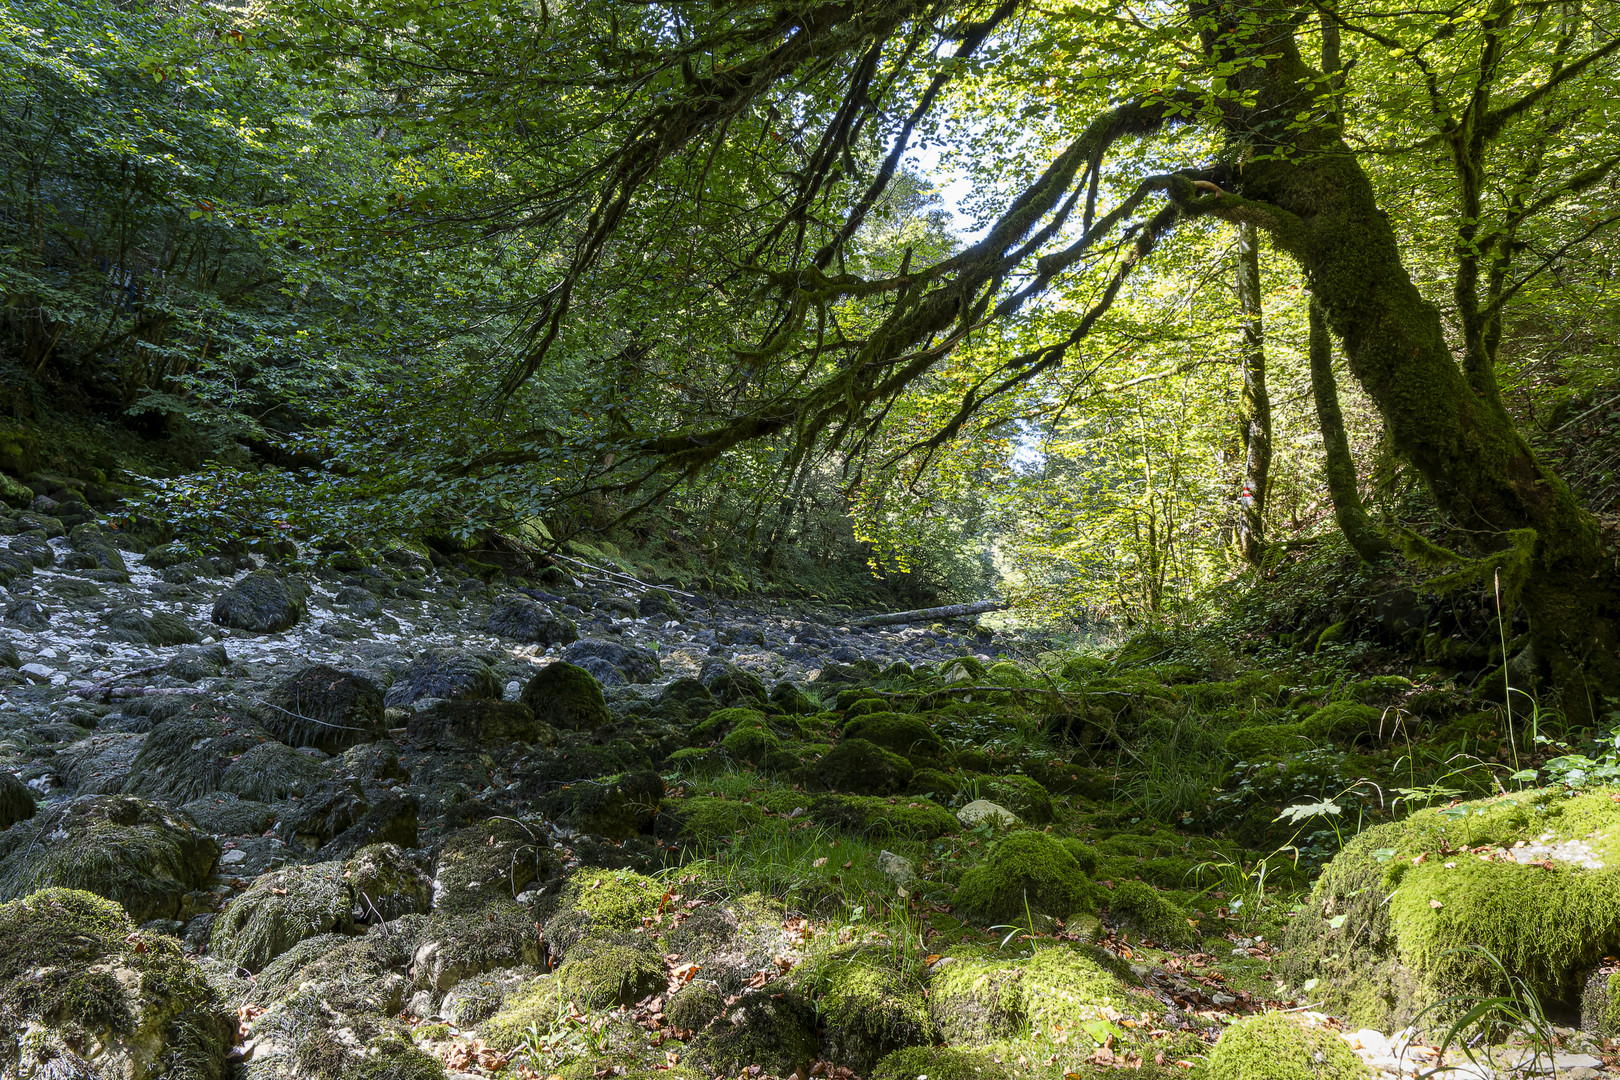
(442, 266)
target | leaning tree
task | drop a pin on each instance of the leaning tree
(706, 178)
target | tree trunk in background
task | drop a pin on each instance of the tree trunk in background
(1254, 405)
(1319, 206)
(1365, 537)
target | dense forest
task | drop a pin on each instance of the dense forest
(927, 538)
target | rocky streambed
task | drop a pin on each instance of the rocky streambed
(400, 821)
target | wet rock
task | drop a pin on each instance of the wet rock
(323, 707)
(223, 814)
(262, 603)
(376, 761)
(26, 615)
(633, 664)
(475, 725)
(441, 674)
(197, 663)
(16, 801)
(123, 849)
(320, 816)
(522, 619)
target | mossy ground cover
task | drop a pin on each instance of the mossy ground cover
(833, 907)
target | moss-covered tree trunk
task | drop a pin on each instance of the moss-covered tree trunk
(1338, 465)
(1254, 403)
(1306, 188)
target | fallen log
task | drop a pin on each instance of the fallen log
(949, 611)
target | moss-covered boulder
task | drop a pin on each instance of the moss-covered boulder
(148, 859)
(1025, 868)
(477, 725)
(983, 998)
(1147, 911)
(524, 619)
(974, 999)
(187, 757)
(616, 807)
(907, 735)
(700, 819)
(1276, 1046)
(498, 857)
(387, 884)
(568, 697)
(776, 1031)
(731, 685)
(272, 770)
(684, 699)
(612, 900)
(536, 1003)
(16, 801)
(869, 1006)
(752, 743)
(323, 707)
(281, 909)
(439, 673)
(452, 947)
(327, 1012)
(262, 603)
(862, 768)
(793, 701)
(920, 819)
(940, 1063)
(1024, 796)
(83, 993)
(1415, 912)
(607, 971)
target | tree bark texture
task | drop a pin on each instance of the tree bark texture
(1254, 404)
(1306, 188)
(1365, 537)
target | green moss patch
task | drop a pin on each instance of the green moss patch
(1275, 1047)
(1025, 868)
(1411, 913)
(869, 1007)
(567, 697)
(1142, 908)
(862, 768)
(913, 818)
(908, 736)
(77, 978)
